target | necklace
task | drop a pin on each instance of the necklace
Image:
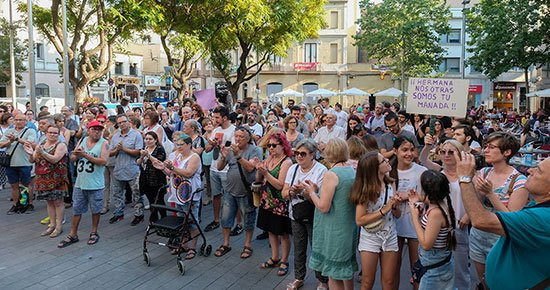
(272, 164)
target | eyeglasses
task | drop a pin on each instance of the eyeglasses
(292, 122)
(180, 144)
(301, 154)
(446, 152)
(122, 122)
(2, 111)
(383, 161)
(490, 146)
(273, 145)
(53, 133)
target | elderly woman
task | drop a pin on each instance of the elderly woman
(300, 209)
(334, 229)
(273, 212)
(151, 123)
(59, 120)
(52, 180)
(152, 181)
(293, 136)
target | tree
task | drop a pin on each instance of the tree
(509, 33)
(19, 49)
(94, 29)
(254, 30)
(404, 34)
(180, 37)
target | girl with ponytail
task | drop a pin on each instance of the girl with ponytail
(434, 221)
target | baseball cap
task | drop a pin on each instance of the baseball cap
(95, 124)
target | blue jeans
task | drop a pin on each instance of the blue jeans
(460, 255)
(230, 204)
(439, 278)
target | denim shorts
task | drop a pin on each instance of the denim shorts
(381, 241)
(217, 182)
(82, 199)
(194, 212)
(441, 277)
(481, 244)
(19, 174)
(230, 204)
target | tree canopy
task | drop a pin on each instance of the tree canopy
(19, 49)
(508, 33)
(404, 34)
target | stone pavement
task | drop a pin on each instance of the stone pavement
(29, 261)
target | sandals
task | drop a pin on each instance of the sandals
(69, 240)
(246, 253)
(270, 263)
(282, 270)
(222, 250)
(93, 239)
(191, 253)
(296, 284)
(48, 231)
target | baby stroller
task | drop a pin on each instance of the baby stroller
(177, 229)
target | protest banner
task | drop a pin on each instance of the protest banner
(206, 98)
(443, 97)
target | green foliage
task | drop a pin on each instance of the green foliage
(256, 29)
(508, 33)
(404, 34)
(20, 52)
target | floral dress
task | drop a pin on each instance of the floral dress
(52, 179)
(273, 212)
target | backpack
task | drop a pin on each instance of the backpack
(22, 203)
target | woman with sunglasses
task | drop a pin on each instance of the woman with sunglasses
(447, 152)
(52, 178)
(306, 168)
(273, 211)
(406, 172)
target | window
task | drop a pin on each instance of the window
(333, 52)
(245, 90)
(334, 20)
(452, 37)
(273, 88)
(450, 65)
(133, 69)
(274, 59)
(310, 87)
(40, 51)
(546, 70)
(3, 91)
(310, 52)
(362, 56)
(42, 91)
(118, 68)
(475, 69)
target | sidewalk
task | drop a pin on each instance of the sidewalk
(28, 260)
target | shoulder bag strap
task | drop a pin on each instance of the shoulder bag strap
(512, 183)
(17, 144)
(243, 179)
(294, 175)
(386, 195)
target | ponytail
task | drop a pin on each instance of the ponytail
(451, 222)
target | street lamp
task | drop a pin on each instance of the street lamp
(463, 36)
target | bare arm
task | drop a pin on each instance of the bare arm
(330, 181)
(59, 153)
(386, 153)
(424, 160)
(426, 237)
(192, 167)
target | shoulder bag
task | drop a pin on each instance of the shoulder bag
(5, 158)
(302, 212)
(378, 224)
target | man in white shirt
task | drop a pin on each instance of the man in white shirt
(375, 124)
(404, 121)
(289, 106)
(329, 131)
(341, 116)
(255, 128)
(326, 109)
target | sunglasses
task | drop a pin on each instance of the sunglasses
(272, 145)
(302, 154)
(447, 152)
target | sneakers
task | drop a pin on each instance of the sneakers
(45, 221)
(212, 226)
(237, 230)
(137, 220)
(12, 210)
(264, 235)
(30, 208)
(104, 211)
(115, 219)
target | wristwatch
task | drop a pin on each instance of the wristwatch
(465, 179)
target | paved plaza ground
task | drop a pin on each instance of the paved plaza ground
(29, 261)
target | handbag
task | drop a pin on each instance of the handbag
(5, 158)
(418, 270)
(304, 211)
(378, 224)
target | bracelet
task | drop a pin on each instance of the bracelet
(380, 210)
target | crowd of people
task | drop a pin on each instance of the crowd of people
(341, 182)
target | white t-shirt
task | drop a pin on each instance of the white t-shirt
(408, 179)
(341, 118)
(257, 129)
(315, 174)
(323, 134)
(409, 127)
(195, 180)
(475, 145)
(456, 200)
(227, 134)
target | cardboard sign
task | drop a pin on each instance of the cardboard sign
(443, 97)
(206, 98)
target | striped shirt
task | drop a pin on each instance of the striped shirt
(441, 240)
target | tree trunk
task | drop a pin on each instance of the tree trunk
(80, 93)
(526, 72)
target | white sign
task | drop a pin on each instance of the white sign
(152, 81)
(444, 97)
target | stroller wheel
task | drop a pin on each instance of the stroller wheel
(208, 250)
(181, 267)
(147, 259)
(201, 250)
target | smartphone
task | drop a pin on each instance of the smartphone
(228, 144)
